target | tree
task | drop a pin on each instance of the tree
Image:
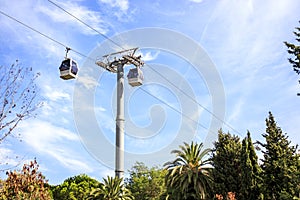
(280, 164)
(18, 97)
(226, 165)
(294, 50)
(111, 189)
(145, 183)
(250, 171)
(18, 100)
(188, 176)
(29, 183)
(77, 187)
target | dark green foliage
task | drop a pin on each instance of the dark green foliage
(250, 171)
(280, 164)
(294, 50)
(146, 183)
(226, 162)
(189, 175)
(77, 187)
(111, 189)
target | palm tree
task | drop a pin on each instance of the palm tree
(188, 175)
(112, 189)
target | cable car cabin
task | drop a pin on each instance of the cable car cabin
(135, 77)
(68, 69)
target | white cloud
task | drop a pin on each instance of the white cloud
(56, 95)
(148, 56)
(13, 31)
(90, 17)
(39, 134)
(73, 163)
(236, 111)
(7, 158)
(107, 172)
(123, 5)
(99, 109)
(119, 9)
(59, 26)
(25, 39)
(48, 139)
(250, 49)
(105, 120)
(196, 1)
(88, 82)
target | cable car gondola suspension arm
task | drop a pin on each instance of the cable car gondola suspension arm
(67, 51)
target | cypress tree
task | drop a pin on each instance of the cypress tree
(280, 164)
(226, 164)
(250, 171)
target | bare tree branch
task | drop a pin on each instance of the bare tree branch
(18, 99)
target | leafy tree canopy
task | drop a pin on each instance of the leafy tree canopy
(146, 183)
(77, 187)
(28, 183)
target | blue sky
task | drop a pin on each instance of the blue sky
(239, 72)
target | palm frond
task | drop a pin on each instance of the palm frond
(189, 174)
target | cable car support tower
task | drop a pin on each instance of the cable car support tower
(111, 63)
